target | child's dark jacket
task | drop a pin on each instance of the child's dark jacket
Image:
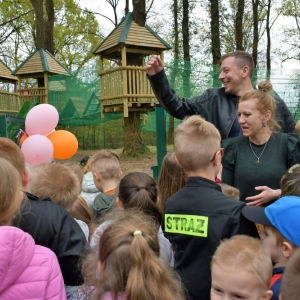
(51, 226)
(196, 219)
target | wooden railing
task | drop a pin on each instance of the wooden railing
(12, 102)
(123, 87)
(9, 102)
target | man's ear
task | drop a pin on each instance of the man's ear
(245, 71)
(287, 249)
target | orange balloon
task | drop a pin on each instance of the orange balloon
(23, 138)
(65, 144)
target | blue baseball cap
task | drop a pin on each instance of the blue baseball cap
(283, 214)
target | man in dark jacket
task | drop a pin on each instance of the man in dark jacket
(216, 105)
(49, 224)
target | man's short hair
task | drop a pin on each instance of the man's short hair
(106, 164)
(246, 253)
(196, 141)
(242, 59)
(56, 181)
(11, 152)
(290, 181)
(291, 278)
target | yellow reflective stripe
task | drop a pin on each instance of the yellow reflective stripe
(186, 224)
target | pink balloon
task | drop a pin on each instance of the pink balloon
(37, 149)
(41, 119)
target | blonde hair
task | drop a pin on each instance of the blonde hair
(77, 171)
(10, 188)
(171, 179)
(230, 191)
(56, 181)
(264, 102)
(290, 182)
(247, 253)
(128, 253)
(195, 141)
(11, 152)
(106, 164)
(80, 211)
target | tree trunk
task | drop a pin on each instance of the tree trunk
(133, 143)
(186, 48)
(239, 25)
(215, 37)
(44, 24)
(268, 29)
(139, 12)
(49, 26)
(255, 31)
(173, 75)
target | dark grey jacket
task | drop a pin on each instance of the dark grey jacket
(214, 105)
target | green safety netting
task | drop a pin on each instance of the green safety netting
(76, 97)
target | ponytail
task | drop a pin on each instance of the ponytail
(129, 258)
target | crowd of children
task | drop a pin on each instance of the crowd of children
(70, 232)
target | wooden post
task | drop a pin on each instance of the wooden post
(125, 82)
(45, 98)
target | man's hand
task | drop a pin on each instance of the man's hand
(264, 197)
(154, 65)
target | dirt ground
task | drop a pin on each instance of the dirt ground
(142, 164)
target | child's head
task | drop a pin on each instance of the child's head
(10, 191)
(282, 227)
(11, 152)
(197, 145)
(291, 278)
(290, 182)
(171, 179)
(230, 191)
(128, 261)
(137, 190)
(85, 163)
(55, 181)
(241, 268)
(78, 172)
(105, 166)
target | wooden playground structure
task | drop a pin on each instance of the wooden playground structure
(124, 87)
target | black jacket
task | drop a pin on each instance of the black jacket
(51, 226)
(196, 219)
(214, 105)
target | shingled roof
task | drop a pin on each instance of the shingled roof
(38, 63)
(128, 33)
(6, 73)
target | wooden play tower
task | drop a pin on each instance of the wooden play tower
(125, 87)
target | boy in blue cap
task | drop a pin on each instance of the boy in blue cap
(281, 236)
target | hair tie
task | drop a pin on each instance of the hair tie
(140, 188)
(137, 232)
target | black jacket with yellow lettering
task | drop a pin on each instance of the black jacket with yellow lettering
(196, 219)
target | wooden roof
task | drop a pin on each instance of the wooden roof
(38, 63)
(130, 34)
(6, 73)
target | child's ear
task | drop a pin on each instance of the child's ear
(177, 162)
(268, 294)
(96, 176)
(287, 249)
(119, 203)
(120, 174)
(99, 267)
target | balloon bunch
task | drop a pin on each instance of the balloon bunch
(41, 142)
